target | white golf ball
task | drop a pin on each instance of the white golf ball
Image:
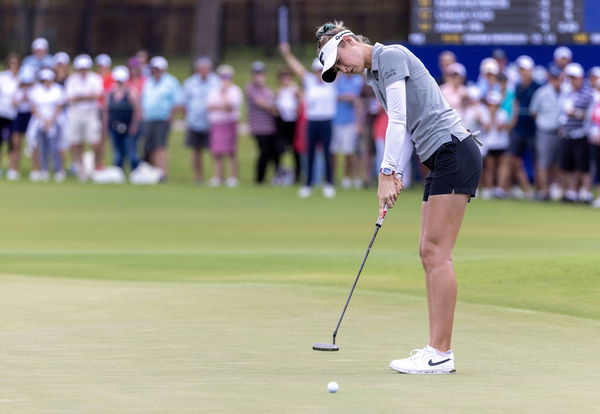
(332, 386)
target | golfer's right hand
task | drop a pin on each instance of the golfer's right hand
(387, 191)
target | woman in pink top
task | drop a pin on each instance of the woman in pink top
(454, 90)
(224, 114)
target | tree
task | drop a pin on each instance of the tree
(206, 39)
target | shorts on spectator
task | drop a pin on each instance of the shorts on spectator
(345, 139)
(547, 148)
(155, 135)
(495, 152)
(6, 129)
(82, 127)
(575, 155)
(21, 122)
(196, 139)
(519, 143)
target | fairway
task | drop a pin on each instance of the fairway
(97, 347)
(185, 299)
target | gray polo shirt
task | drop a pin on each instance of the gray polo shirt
(430, 120)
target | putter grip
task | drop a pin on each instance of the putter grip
(380, 219)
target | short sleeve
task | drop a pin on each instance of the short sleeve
(393, 66)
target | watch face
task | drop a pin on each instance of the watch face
(386, 171)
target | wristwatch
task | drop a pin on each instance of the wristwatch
(387, 171)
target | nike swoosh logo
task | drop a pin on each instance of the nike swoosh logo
(433, 364)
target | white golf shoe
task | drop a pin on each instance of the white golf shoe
(425, 361)
(305, 192)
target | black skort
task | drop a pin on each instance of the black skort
(455, 167)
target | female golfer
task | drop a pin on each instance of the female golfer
(413, 100)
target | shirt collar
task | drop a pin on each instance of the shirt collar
(375, 52)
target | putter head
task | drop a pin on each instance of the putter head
(325, 347)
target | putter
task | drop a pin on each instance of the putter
(333, 346)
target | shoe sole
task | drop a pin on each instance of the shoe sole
(429, 371)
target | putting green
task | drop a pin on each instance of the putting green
(103, 346)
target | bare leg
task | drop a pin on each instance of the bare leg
(197, 163)
(441, 223)
(233, 165)
(219, 167)
(522, 177)
(427, 285)
(14, 157)
(159, 159)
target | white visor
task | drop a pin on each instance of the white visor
(328, 55)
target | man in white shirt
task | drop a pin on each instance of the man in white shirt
(84, 88)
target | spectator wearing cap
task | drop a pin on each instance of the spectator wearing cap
(545, 109)
(194, 101)
(142, 58)
(103, 65)
(500, 56)
(224, 104)
(9, 82)
(22, 103)
(495, 123)
(454, 90)
(575, 152)
(123, 114)
(320, 100)
(103, 68)
(61, 67)
(594, 139)
(83, 125)
(562, 57)
(445, 59)
(287, 101)
(45, 131)
(522, 137)
(40, 58)
(488, 76)
(159, 101)
(344, 141)
(594, 75)
(261, 119)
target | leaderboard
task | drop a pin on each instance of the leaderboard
(507, 22)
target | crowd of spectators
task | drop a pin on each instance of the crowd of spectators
(539, 125)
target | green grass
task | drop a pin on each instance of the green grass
(181, 298)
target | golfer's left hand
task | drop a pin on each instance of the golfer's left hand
(388, 190)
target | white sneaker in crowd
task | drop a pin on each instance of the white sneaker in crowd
(585, 196)
(596, 203)
(346, 183)
(214, 182)
(328, 191)
(304, 192)
(12, 175)
(425, 361)
(556, 193)
(571, 196)
(44, 176)
(59, 176)
(34, 176)
(231, 182)
(500, 193)
(518, 193)
(359, 184)
(487, 193)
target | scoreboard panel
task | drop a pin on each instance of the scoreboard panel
(507, 22)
